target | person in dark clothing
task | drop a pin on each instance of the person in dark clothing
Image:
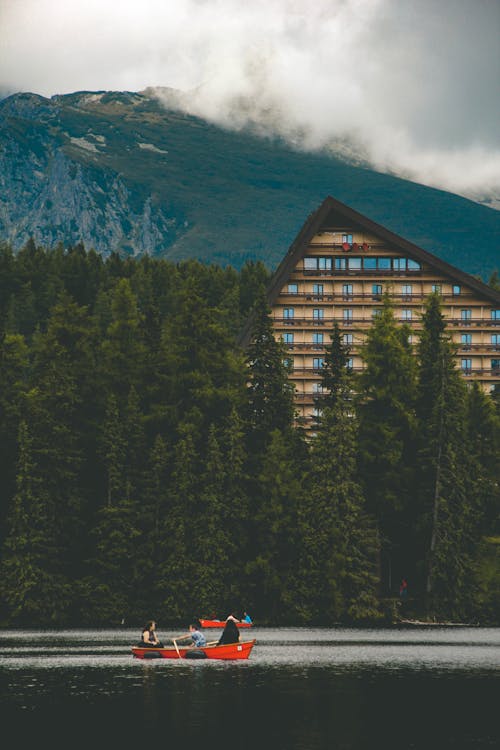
(403, 589)
(230, 634)
(149, 637)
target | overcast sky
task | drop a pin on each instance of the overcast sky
(415, 82)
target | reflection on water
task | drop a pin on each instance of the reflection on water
(304, 689)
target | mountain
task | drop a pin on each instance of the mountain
(119, 172)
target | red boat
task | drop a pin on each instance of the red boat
(226, 651)
(221, 623)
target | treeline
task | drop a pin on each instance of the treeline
(152, 469)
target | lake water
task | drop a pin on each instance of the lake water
(301, 689)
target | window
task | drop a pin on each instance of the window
(436, 288)
(354, 264)
(317, 412)
(466, 340)
(317, 339)
(318, 290)
(456, 289)
(410, 338)
(376, 312)
(347, 339)
(288, 338)
(310, 264)
(347, 238)
(495, 366)
(466, 365)
(465, 316)
(399, 264)
(288, 363)
(347, 316)
(405, 314)
(340, 264)
(349, 363)
(288, 314)
(318, 315)
(495, 340)
(376, 291)
(313, 263)
(317, 387)
(318, 363)
(407, 290)
(495, 314)
(384, 264)
(370, 264)
(413, 265)
(347, 291)
(293, 289)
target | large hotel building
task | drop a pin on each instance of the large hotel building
(338, 268)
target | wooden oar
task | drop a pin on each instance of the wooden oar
(176, 648)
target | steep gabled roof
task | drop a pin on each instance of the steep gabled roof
(332, 212)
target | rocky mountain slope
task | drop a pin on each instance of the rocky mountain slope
(119, 172)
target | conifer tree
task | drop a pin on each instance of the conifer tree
(123, 349)
(270, 393)
(339, 558)
(336, 378)
(386, 408)
(212, 548)
(272, 567)
(35, 586)
(114, 566)
(151, 514)
(177, 569)
(14, 386)
(483, 440)
(446, 475)
(114, 443)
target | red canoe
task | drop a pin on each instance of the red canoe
(226, 651)
(221, 623)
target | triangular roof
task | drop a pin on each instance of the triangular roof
(332, 212)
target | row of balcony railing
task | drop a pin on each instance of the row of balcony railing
(490, 371)
(305, 347)
(372, 296)
(382, 272)
(325, 321)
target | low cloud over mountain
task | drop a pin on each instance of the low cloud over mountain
(409, 88)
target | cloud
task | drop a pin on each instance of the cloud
(411, 87)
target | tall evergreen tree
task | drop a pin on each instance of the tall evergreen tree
(123, 349)
(483, 440)
(447, 491)
(35, 588)
(177, 569)
(114, 565)
(336, 378)
(339, 558)
(386, 408)
(270, 393)
(215, 583)
(14, 386)
(272, 566)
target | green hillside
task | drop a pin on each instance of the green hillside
(119, 172)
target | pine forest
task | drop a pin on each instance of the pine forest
(153, 469)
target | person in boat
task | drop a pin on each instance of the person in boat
(149, 637)
(230, 634)
(246, 618)
(197, 638)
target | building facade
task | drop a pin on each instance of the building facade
(338, 269)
